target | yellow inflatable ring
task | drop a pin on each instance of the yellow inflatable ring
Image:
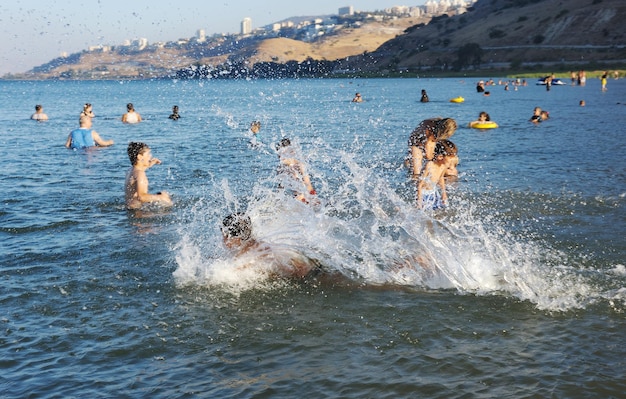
(457, 100)
(484, 125)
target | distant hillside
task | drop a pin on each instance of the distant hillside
(505, 33)
(493, 34)
(220, 52)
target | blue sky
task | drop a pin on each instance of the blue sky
(34, 32)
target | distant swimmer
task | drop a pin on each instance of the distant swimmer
(282, 262)
(603, 80)
(131, 116)
(536, 118)
(136, 185)
(85, 136)
(357, 98)
(480, 87)
(482, 118)
(424, 98)
(255, 127)
(39, 115)
(174, 115)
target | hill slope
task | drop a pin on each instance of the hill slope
(513, 31)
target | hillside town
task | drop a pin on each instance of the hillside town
(303, 29)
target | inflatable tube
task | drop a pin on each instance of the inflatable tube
(484, 125)
(457, 100)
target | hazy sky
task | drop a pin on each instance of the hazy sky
(34, 32)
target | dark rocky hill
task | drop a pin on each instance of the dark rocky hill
(505, 33)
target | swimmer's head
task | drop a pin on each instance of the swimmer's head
(255, 126)
(285, 142)
(130, 106)
(449, 147)
(445, 128)
(440, 150)
(237, 225)
(86, 106)
(134, 149)
(38, 107)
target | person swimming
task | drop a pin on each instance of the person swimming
(238, 237)
(174, 115)
(131, 116)
(482, 118)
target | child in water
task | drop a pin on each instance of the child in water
(452, 158)
(428, 197)
(281, 262)
(424, 98)
(136, 186)
(482, 118)
(174, 115)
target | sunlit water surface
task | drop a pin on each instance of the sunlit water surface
(523, 295)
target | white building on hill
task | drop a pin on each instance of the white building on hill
(246, 26)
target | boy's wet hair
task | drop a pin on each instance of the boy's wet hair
(134, 149)
(237, 225)
(440, 149)
(449, 147)
(285, 142)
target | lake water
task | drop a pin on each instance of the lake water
(524, 297)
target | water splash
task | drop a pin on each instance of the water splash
(367, 232)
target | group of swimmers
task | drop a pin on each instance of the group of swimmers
(539, 115)
(131, 116)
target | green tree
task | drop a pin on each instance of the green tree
(469, 54)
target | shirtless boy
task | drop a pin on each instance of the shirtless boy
(136, 186)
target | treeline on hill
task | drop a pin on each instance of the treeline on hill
(308, 68)
(469, 55)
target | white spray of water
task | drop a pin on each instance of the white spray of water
(366, 231)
